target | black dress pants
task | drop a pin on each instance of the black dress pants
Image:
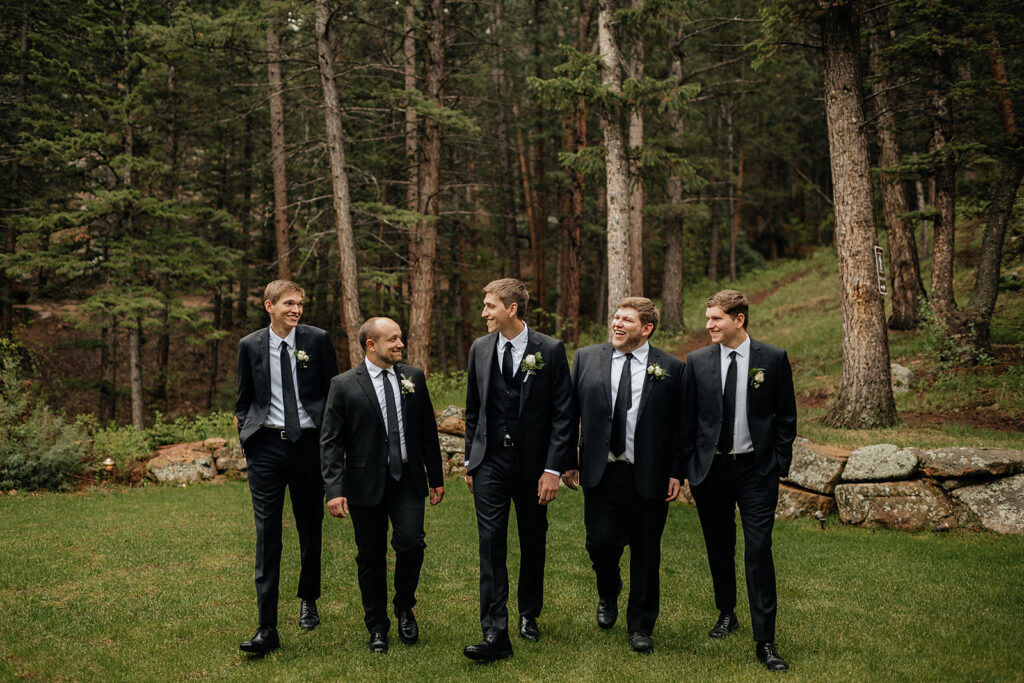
(403, 507)
(731, 482)
(275, 464)
(499, 481)
(616, 516)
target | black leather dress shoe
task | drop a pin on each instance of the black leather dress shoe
(309, 618)
(607, 613)
(641, 642)
(726, 624)
(265, 640)
(769, 656)
(408, 629)
(493, 647)
(528, 629)
(378, 642)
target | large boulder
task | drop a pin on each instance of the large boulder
(902, 378)
(816, 468)
(881, 462)
(999, 505)
(452, 425)
(452, 444)
(909, 505)
(451, 411)
(958, 463)
(794, 503)
(182, 463)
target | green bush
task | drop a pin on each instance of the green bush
(182, 429)
(39, 448)
(124, 445)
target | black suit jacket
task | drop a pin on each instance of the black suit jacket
(545, 403)
(314, 376)
(354, 441)
(656, 445)
(771, 409)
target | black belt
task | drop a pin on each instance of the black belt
(733, 455)
(280, 431)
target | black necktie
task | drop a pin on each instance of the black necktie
(292, 429)
(506, 365)
(728, 407)
(623, 402)
(394, 439)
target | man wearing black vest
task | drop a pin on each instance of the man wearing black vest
(284, 372)
(518, 433)
(739, 424)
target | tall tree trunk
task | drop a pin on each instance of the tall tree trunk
(904, 269)
(528, 198)
(737, 210)
(108, 372)
(865, 393)
(277, 155)
(245, 225)
(715, 237)
(616, 161)
(672, 282)
(508, 209)
(635, 69)
(135, 372)
(423, 241)
(943, 301)
(163, 348)
(412, 139)
(537, 153)
(218, 324)
(10, 236)
(348, 270)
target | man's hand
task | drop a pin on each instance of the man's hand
(547, 488)
(338, 507)
(469, 482)
(571, 479)
(673, 489)
(436, 494)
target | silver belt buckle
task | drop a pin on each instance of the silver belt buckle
(507, 441)
(284, 435)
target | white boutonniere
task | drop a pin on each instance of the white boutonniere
(407, 385)
(532, 363)
(302, 358)
(656, 371)
(756, 377)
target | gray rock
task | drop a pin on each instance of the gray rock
(452, 444)
(794, 503)
(185, 472)
(902, 378)
(816, 468)
(226, 462)
(908, 505)
(999, 506)
(881, 462)
(956, 463)
(452, 411)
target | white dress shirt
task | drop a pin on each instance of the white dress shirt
(638, 373)
(741, 441)
(275, 415)
(518, 349)
(377, 377)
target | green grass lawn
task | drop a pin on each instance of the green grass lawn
(155, 583)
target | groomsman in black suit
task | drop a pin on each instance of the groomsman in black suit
(379, 453)
(628, 397)
(518, 433)
(283, 376)
(739, 424)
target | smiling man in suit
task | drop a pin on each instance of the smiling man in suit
(739, 424)
(628, 397)
(379, 454)
(284, 372)
(518, 433)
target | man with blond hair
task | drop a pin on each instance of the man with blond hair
(284, 371)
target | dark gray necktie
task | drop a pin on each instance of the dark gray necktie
(623, 402)
(394, 439)
(292, 428)
(728, 407)
(506, 365)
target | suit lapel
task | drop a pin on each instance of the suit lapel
(363, 377)
(604, 367)
(714, 371)
(532, 346)
(652, 358)
(403, 398)
(483, 371)
(755, 362)
(261, 369)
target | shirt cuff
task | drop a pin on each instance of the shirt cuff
(556, 473)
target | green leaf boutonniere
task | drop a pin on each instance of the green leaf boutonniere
(532, 363)
(302, 358)
(756, 377)
(407, 385)
(656, 371)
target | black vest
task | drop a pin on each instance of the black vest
(502, 408)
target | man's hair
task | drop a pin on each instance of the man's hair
(510, 291)
(732, 304)
(645, 307)
(278, 288)
(368, 331)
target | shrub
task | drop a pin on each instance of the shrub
(183, 429)
(126, 446)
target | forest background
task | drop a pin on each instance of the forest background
(166, 160)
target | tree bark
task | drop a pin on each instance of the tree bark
(508, 209)
(540, 193)
(616, 162)
(423, 241)
(865, 395)
(672, 282)
(277, 155)
(715, 218)
(904, 269)
(944, 176)
(412, 140)
(135, 372)
(636, 193)
(348, 270)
